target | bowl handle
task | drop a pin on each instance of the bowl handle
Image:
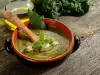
(76, 44)
(8, 47)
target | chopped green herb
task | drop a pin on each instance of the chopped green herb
(37, 44)
(42, 41)
(42, 36)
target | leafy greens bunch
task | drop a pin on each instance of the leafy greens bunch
(55, 8)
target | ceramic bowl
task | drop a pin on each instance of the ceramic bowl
(51, 23)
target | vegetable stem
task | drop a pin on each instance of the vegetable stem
(15, 20)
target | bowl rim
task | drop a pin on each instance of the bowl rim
(67, 52)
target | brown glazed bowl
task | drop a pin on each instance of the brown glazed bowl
(51, 23)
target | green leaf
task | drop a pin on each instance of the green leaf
(37, 44)
(51, 8)
(42, 41)
(48, 41)
(42, 36)
(36, 21)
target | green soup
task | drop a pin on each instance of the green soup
(59, 45)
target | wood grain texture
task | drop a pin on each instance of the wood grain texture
(85, 25)
(85, 61)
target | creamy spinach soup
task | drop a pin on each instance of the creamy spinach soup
(50, 45)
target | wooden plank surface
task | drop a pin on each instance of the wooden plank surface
(85, 61)
(85, 25)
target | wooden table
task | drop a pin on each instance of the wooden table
(85, 61)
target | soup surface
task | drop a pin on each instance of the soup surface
(58, 45)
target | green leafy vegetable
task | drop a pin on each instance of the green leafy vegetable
(51, 8)
(36, 21)
(55, 8)
(74, 7)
